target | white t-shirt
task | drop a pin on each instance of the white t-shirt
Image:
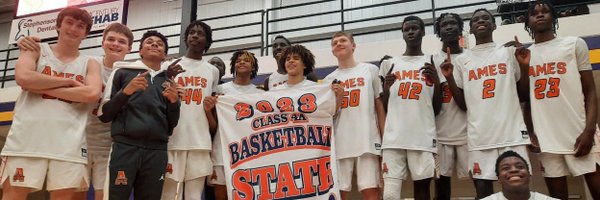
(356, 124)
(410, 121)
(229, 88)
(277, 79)
(47, 127)
(534, 196)
(557, 101)
(488, 74)
(451, 121)
(285, 85)
(199, 80)
(97, 132)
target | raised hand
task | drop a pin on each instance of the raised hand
(447, 67)
(430, 73)
(522, 54)
(174, 69)
(136, 84)
(29, 43)
(170, 91)
(389, 79)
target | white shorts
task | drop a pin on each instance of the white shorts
(96, 168)
(33, 172)
(482, 163)
(187, 165)
(396, 162)
(218, 176)
(450, 156)
(367, 172)
(559, 165)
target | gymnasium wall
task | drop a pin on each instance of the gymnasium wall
(373, 51)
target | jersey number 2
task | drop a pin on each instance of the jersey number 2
(488, 88)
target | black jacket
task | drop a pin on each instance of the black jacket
(146, 118)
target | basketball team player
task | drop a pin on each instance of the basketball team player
(59, 85)
(244, 68)
(563, 103)
(143, 106)
(298, 62)
(190, 145)
(451, 122)
(116, 43)
(358, 140)
(279, 77)
(412, 94)
(493, 78)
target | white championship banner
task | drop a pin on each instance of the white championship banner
(279, 144)
(44, 25)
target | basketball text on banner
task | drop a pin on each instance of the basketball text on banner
(279, 144)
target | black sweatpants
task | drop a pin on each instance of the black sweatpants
(136, 168)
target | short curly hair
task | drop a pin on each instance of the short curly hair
(150, 33)
(414, 18)
(253, 61)
(508, 154)
(305, 55)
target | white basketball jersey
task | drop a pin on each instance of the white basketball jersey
(410, 121)
(97, 132)
(229, 88)
(488, 75)
(557, 101)
(277, 79)
(451, 121)
(48, 127)
(356, 124)
(285, 85)
(199, 80)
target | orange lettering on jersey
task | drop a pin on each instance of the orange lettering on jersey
(487, 71)
(47, 70)
(195, 81)
(19, 175)
(191, 95)
(121, 178)
(548, 68)
(476, 169)
(410, 90)
(353, 82)
(169, 168)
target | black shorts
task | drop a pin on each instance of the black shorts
(136, 168)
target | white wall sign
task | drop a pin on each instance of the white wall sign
(43, 25)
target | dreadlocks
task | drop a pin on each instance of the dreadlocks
(530, 11)
(438, 21)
